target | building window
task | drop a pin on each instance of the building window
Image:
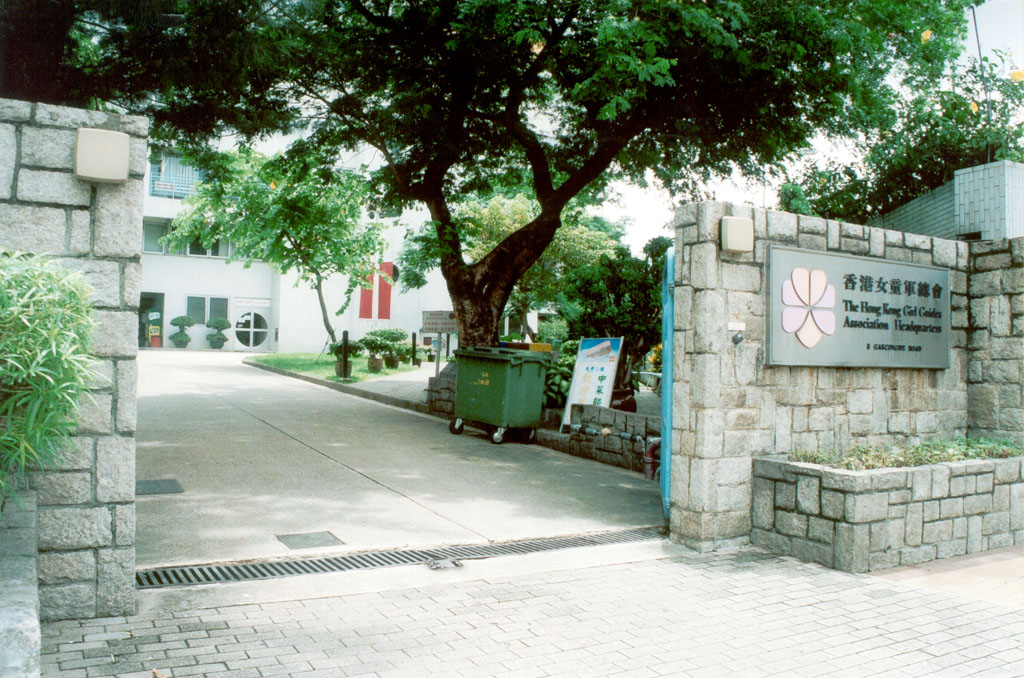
(251, 329)
(151, 234)
(201, 309)
(169, 177)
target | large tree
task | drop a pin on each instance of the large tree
(484, 223)
(455, 94)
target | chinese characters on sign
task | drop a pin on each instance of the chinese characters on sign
(843, 310)
(594, 374)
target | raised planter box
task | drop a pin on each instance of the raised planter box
(860, 521)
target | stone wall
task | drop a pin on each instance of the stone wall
(605, 435)
(20, 638)
(728, 406)
(860, 521)
(86, 516)
(995, 372)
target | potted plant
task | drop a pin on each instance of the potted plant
(355, 348)
(217, 338)
(376, 347)
(394, 337)
(181, 338)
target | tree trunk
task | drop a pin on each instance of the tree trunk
(319, 287)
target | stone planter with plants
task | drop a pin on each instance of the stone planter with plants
(217, 338)
(876, 507)
(181, 338)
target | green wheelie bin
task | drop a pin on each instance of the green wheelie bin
(499, 389)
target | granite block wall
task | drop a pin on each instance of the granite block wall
(86, 509)
(859, 521)
(729, 406)
(995, 372)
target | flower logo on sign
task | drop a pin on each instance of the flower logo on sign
(809, 299)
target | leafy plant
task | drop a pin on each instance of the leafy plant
(556, 385)
(376, 346)
(355, 348)
(44, 367)
(931, 452)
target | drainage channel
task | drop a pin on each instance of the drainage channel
(190, 575)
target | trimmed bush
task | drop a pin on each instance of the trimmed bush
(45, 324)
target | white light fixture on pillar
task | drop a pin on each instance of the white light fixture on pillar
(101, 156)
(737, 234)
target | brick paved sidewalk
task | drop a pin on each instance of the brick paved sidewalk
(735, 615)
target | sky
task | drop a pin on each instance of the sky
(1000, 26)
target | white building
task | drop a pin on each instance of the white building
(268, 311)
(985, 202)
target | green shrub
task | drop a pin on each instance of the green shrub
(181, 337)
(550, 331)
(355, 348)
(219, 324)
(932, 452)
(44, 367)
(384, 342)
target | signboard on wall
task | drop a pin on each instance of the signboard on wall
(840, 310)
(439, 322)
(593, 375)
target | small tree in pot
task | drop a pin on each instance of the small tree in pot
(376, 347)
(181, 337)
(337, 348)
(393, 338)
(217, 338)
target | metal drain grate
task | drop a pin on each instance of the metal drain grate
(188, 575)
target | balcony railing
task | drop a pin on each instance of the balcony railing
(172, 185)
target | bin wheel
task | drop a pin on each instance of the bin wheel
(498, 436)
(456, 426)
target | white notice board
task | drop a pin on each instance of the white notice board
(439, 322)
(594, 374)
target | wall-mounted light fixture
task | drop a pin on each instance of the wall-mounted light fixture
(101, 156)
(737, 234)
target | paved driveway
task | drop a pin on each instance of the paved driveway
(260, 455)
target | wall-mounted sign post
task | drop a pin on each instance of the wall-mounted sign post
(841, 310)
(593, 377)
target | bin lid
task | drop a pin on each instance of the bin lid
(511, 355)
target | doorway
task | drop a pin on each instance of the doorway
(151, 319)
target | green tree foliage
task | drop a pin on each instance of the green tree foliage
(792, 199)
(942, 127)
(293, 211)
(45, 324)
(619, 296)
(457, 95)
(485, 223)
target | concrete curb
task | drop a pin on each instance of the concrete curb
(344, 388)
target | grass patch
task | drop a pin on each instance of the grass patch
(933, 452)
(322, 366)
